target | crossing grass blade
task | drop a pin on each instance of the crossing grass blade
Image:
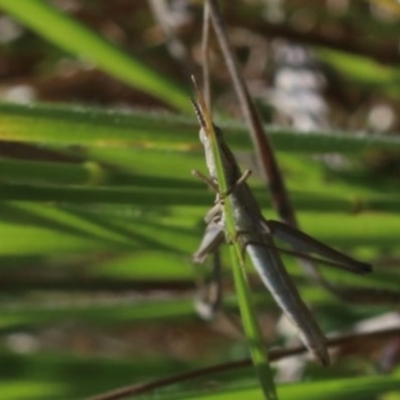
(343, 389)
(101, 128)
(247, 311)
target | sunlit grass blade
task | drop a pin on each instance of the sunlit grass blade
(74, 37)
(360, 68)
(66, 377)
(104, 128)
(85, 173)
(31, 228)
(333, 389)
(48, 376)
(93, 126)
(50, 217)
(36, 229)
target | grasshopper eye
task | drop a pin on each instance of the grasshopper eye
(202, 136)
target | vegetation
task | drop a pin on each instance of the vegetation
(99, 212)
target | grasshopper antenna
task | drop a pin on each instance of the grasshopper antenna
(199, 114)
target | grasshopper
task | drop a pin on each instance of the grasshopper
(255, 235)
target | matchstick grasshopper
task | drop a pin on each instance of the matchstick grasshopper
(256, 236)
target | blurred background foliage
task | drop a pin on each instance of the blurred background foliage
(99, 214)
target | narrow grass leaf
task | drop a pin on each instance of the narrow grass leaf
(246, 306)
(102, 312)
(63, 125)
(333, 389)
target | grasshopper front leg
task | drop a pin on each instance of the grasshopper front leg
(213, 237)
(214, 234)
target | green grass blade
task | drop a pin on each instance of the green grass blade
(104, 128)
(148, 196)
(89, 173)
(162, 196)
(75, 38)
(99, 313)
(246, 306)
(359, 68)
(334, 389)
